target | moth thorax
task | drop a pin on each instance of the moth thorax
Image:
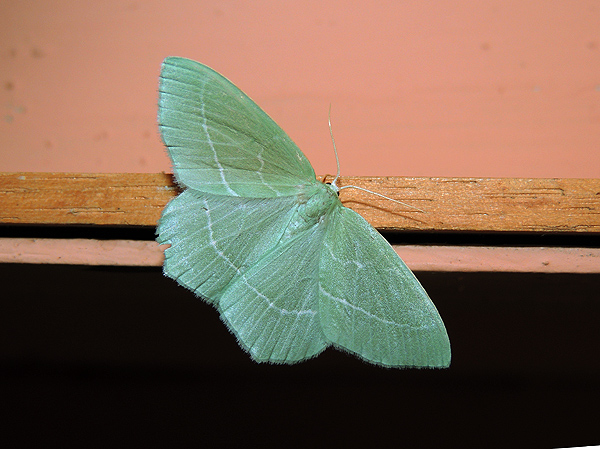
(322, 200)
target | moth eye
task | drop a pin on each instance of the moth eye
(337, 192)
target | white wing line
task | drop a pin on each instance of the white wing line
(360, 309)
(222, 255)
(259, 171)
(213, 242)
(338, 260)
(273, 306)
(211, 144)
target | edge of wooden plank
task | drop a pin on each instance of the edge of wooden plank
(418, 258)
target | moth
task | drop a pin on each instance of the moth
(254, 233)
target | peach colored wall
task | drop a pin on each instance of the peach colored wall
(452, 88)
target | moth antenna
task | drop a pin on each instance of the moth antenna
(337, 161)
(382, 196)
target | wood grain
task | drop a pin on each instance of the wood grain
(445, 204)
(479, 204)
(135, 199)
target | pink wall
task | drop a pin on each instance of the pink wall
(446, 88)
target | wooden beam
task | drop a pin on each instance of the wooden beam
(135, 199)
(446, 204)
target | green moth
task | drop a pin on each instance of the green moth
(289, 268)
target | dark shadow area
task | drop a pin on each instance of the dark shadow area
(123, 357)
(78, 232)
(541, 239)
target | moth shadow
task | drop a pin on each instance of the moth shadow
(364, 208)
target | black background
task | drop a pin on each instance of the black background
(123, 357)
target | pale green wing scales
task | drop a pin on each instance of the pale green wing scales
(273, 307)
(371, 304)
(220, 141)
(213, 238)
